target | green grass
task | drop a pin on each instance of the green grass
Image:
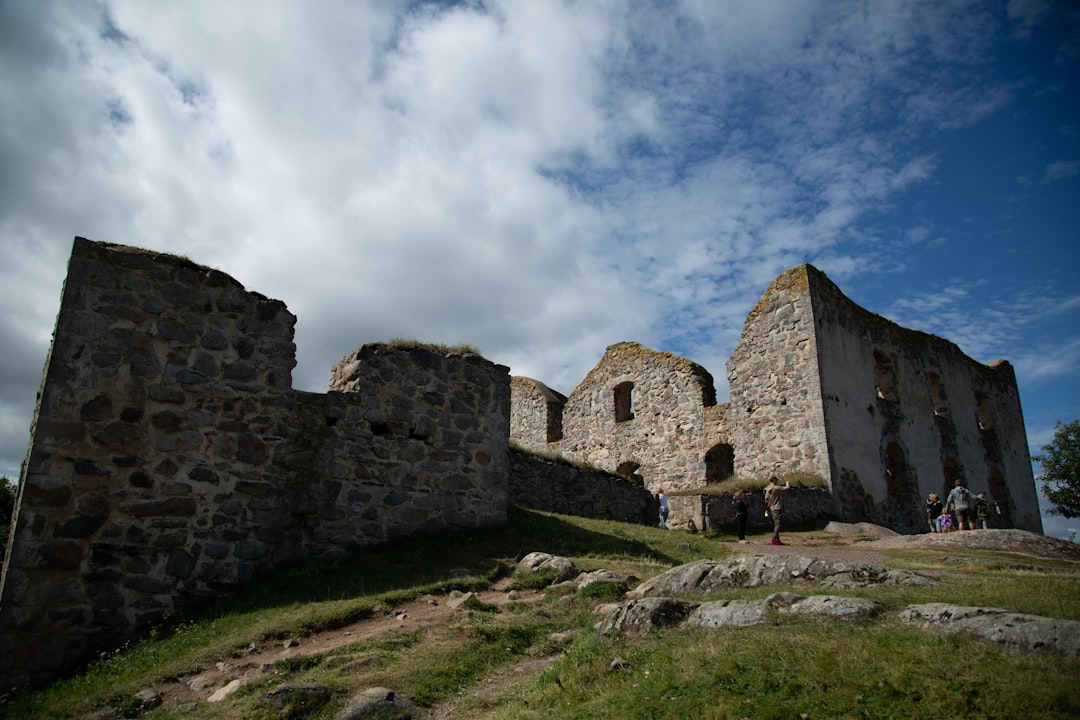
(785, 668)
(752, 484)
(400, 343)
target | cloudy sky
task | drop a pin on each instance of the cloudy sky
(543, 178)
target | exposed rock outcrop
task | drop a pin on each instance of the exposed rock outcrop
(1016, 631)
(707, 576)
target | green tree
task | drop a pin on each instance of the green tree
(7, 505)
(1061, 469)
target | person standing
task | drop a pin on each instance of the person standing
(960, 501)
(982, 512)
(933, 512)
(738, 504)
(774, 502)
(663, 511)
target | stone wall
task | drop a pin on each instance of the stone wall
(552, 486)
(170, 458)
(907, 414)
(642, 412)
(804, 508)
(818, 385)
(776, 420)
(535, 413)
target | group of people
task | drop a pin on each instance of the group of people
(962, 510)
(774, 509)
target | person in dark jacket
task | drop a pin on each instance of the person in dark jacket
(738, 504)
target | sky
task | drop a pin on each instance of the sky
(541, 179)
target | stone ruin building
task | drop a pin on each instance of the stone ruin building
(883, 414)
(170, 459)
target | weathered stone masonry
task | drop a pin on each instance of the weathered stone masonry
(818, 385)
(170, 458)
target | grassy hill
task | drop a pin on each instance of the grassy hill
(381, 619)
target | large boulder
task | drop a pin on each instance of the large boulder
(539, 562)
(747, 571)
(1017, 631)
(642, 616)
(840, 607)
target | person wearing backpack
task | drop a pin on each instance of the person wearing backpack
(982, 512)
(960, 501)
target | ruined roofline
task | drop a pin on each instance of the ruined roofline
(138, 257)
(548, 394)
(809, 280)
(630, 347)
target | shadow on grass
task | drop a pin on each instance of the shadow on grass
(426, 560)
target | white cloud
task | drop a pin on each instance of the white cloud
(537, 179)
(1060, 171)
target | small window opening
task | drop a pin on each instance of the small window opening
(937, 396)
(952, 472)
(631, 471)
(884, 376)
(554, 422)
(982, 412)
(624, 402)
(719, 463)
(895, 470)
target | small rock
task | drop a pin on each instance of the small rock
(457, 599)
(618, 664)
(379, 702)
(297, 698)
(222, 693)
(148, 699)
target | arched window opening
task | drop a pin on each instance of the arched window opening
(895, 470)
(982, 412)
(631, 471)
(1000, 500)
(624, 402)
(884, 376)
(952, 472)
(719, 463)
(937, 396)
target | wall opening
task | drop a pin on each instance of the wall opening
(624, 402)
(896, 483)
(953, 472)
(884, 376)
(1000, 500)
(554, 422)
(631, 471)
(937, 396)
(719, 463)
(982, 412)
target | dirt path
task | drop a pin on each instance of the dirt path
(257, 661)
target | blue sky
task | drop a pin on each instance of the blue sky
(543, 179)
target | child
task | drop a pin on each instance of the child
(982, 511)
(947, 522)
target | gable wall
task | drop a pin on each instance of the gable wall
(667, 435)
